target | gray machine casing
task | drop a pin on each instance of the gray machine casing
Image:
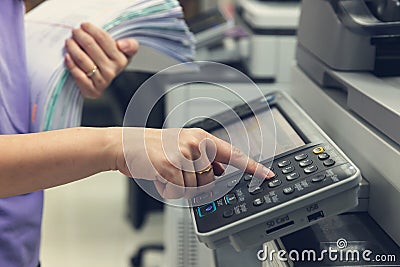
(348, 37)
(332, 199)
(355, 50)
(336, 85)
(340, 46)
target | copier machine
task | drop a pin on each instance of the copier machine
(347, 80)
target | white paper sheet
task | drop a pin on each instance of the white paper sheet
(55, 99)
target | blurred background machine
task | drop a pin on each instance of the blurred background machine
(272, 28)
(260, 38)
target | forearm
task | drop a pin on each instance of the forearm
(31, 162)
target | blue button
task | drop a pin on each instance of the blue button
(206, 209)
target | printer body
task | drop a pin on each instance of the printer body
(347, 79)
(344, 57)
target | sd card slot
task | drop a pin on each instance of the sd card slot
(279, 227)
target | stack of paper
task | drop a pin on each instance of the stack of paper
(55, 99)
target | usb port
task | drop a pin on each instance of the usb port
(316, 216)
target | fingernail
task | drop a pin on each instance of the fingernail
(268, 173)
(123, 45)
(128, 47)
(84, 25)
(135, 42)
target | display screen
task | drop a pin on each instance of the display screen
(262, 136)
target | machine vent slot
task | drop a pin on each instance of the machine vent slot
(187, 244)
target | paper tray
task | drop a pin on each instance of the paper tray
(377, 100)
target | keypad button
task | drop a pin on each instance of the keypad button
(323, 156)
(257, 191)
(300, 156)
(206, 209)
(318, 150)
(283, 163)
(318, 178)
(287, 170)
(228, 213)
(232, 183)
(329, 162)
(247, 177)
(288, 190)
(310, 169)
(202, 198)
(230, 199)
(305, 163)
(274, 183)
(292, 176)
(258, 201)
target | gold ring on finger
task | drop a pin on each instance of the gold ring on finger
(92, 72)
(209, 168)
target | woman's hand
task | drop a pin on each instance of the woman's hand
(178, 159)
(95, 59)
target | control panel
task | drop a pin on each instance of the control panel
(313, 179)
(296, 174)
